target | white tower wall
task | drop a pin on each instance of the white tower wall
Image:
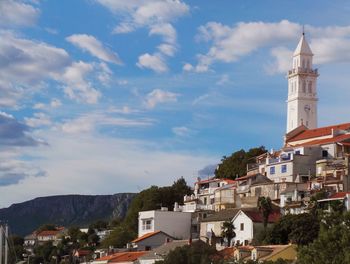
(302, 89)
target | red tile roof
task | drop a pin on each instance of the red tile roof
(335, 139)
(148, 235)
(339, 195)
(48, 233)
(127, 256)
(318, 132)
(257, 217)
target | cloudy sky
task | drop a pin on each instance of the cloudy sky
(107, 96)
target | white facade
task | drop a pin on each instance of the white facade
(244, 228)
(302, 89)
(175, 224)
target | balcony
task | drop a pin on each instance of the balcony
(303, 71)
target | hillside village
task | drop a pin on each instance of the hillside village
(310, 170)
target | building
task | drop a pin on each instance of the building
(120, 258)
(161, 252)
(302, 89)
(248, 222)
(176, 224)
(203, 197)
(151, 240)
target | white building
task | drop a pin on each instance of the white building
(302, 89)
(175, 224)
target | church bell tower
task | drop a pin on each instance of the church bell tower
(302, 89)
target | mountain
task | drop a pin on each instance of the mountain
(64, 210)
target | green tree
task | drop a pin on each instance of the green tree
(236, 164)
(228, 231)
(333, 242)
(265, 207)
(196, 253)
(301, 229)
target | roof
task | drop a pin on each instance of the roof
(317, 132)
(253, 213)
(256, 216)
(163, 250)
(148, 235)
(276, 249)
(122, 256)
(339, 195)
(48, 233)
(335, 139)
(82, 252)
(222, 215)
(303, 47)
(216, 180)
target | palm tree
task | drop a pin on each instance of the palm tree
(265, 207)
(227, 231)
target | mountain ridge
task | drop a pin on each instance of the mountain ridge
(64, 210)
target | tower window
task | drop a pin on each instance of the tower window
(310, 87)
(304, 86)
(308, 64)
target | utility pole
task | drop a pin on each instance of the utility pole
(4, 246)
(1, 245)
(6, 243)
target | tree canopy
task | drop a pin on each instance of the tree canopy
(236, 165)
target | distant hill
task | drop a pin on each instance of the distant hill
(64, 210)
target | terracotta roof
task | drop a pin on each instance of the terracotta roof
(48, 233)
(339, 195)
(149, 235)
(227, 253)
(257, 217)
(127, 256)
(335, 139)
(318, 132)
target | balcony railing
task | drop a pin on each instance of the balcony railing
(303, 70)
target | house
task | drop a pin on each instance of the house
(176, 224)
(248, 222)
(30, 242)
(49, 236)
(265, 253)
(203, 197)
(120, 258)
(161, 252)
(343, 197)
(151, 240)
(82, 255)
(224, 197)
(293, 198)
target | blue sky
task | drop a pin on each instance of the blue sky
(107, 96)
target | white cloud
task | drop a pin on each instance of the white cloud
(187, 67)
(38, 120)
(17, 13)
(91, 121)
(182, 131)
(167, 31)
(139, 13)
(224, 79)
(55, 103)
(128, 164)
(229, 44)
(25, 65)
(159, 96)
(154, 62)
(75, 84)
(94, 47)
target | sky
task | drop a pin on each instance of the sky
(108, 96)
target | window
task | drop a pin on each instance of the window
(272, 170)
(148, 248)
(284, 168)
(304, 86)
(310, 87)
(146, 224)
(297, 152)
(246, 242)
(324, 153)
(242, 227)
(205, 200)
